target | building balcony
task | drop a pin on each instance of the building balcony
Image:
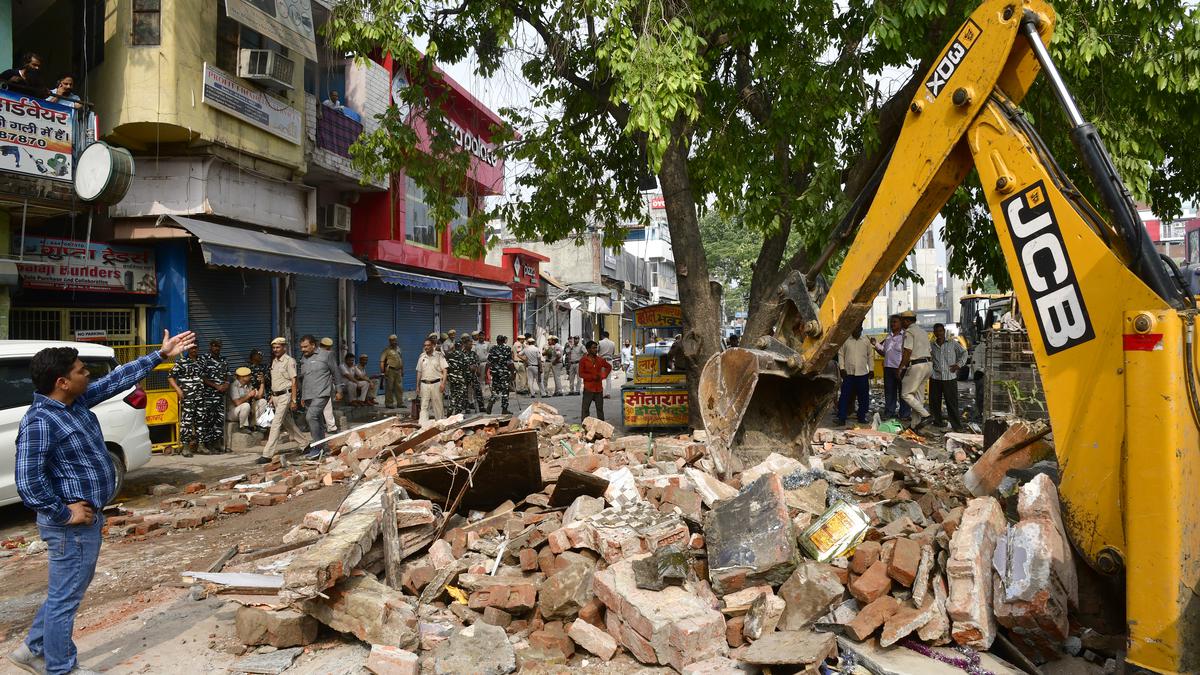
(329, 137)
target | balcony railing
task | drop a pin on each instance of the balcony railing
(335, 131)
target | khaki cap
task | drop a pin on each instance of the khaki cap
(393, 337)
(279, 341)
(242, 372)
(452, 332)
(326, 342)
(908, 314)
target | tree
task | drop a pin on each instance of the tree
(778, 111)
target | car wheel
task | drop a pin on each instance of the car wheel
(119, 470)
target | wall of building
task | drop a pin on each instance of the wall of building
(153, 93)
(569, 263)
(6, 43)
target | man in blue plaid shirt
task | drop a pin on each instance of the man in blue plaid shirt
(65, 475)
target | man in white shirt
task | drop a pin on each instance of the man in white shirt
(916, 368)
(607, 350)
(948, 357)
(856, 359)
(531, 356)
(431, 382)
(360, 374)
(552, 366)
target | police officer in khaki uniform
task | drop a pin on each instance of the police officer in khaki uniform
(284, 397)
(432, 372)
(391, 364)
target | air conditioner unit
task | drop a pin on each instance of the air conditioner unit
(334, 218)
(265, 67)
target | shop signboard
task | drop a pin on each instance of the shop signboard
(35, 137)
(655, 407)
(273, 115)
(659, 316)
(69, 264)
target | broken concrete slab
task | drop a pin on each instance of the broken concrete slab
(388, 660)
(270, 663)
(326, 562)
(665, 567)
(903, 661)
(567, 590)
(367, 609)
(479, 649)
(804, 649)
(809, 593)
(275, 627)
(763, 615)
(710, 488)
(750, 539)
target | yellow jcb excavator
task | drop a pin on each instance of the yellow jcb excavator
(1111, 324)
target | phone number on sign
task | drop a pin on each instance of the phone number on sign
(22, 139)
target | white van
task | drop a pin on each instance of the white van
(122, 417)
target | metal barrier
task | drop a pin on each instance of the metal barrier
(162, 403)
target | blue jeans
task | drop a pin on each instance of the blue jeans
(854, 386)
(73, 551)
(891, 394)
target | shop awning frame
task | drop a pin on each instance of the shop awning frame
(227, 246)
(479, 289)
(413, 280)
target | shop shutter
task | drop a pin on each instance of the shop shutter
(316, 309)
(501, 317)
(414, 322)
(231, 305)
(460, 313)
(375, 307)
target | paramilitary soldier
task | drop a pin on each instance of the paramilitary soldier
(501, 366)
(187, 379)
(459, 374)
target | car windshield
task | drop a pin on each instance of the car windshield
(16, 384)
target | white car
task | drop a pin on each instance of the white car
(122, 417)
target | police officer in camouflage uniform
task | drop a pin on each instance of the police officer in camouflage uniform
(474, 399)
(500, 365)
(186, 378)
(215, 371)
(458, 375)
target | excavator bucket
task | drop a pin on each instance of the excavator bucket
(757, 401)
(753, 403)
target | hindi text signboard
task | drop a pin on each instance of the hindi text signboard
(35, 137)
(69, 264)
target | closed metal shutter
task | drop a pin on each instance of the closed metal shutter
(460, 313)
(414, 322)
(375, 308)
(233, 306)
(316, 309)
(501, 317)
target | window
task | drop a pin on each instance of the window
(926, 241)
(418, 224)
(461, 207)
(147, 22)
(653, 275)
(16, 383)
(1193, 246)
(1175, 231)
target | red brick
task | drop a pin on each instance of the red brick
(864, 556)
(235, 506)
(496, 616)
(873, 584)
(513, 598)
(553, 642)
(906, 557)
(529, 560)
(261, 499)
(193, 488)
(734, 631)
(593, 639)
(546, 561)
(388, 660)
(593, 613)
(415, 577)
(871, 617)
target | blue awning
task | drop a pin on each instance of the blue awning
(413, 280)
(236, 247)
(478, 289)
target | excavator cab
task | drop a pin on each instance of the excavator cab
(1111, 323)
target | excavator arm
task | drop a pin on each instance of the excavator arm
(1111, 330)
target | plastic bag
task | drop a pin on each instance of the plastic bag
(266, 417)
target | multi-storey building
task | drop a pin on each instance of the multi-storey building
(244, 218)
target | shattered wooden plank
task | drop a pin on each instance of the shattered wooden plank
(391, 537)
(573, 484)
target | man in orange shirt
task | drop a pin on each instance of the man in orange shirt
(593, 370)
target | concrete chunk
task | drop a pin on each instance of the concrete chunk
(479, 649)
(808, 594)
(278, 628)
(592, 639)
(969, 572)
(750, 538)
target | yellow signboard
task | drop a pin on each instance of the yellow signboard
(655, 407)
(162, 407)
(659, 316)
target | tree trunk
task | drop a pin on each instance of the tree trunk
(701, 303)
